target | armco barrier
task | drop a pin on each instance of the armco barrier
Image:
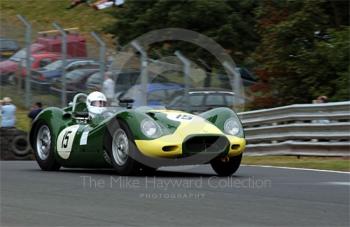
(302, 129)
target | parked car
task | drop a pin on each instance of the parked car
(7, 48)
(42, 78)
(203, 99)
(9, 68)
(76, 47)
(75, 82)
(158, 94)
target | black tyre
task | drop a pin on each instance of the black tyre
(226, 167)
(20, 146)
(122, 149)
(43, 148)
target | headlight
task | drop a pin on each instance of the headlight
(232, 127)
(150, 129)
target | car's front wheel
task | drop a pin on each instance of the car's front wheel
(43, 149)
(122, 150)
(225, 166)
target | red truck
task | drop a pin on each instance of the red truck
(43, 51)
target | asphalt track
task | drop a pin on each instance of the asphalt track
(255, 196)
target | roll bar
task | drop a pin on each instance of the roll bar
(75, 99)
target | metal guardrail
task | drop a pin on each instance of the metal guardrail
(302, 129)
(300, 148)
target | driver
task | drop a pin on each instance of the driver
(96, 103)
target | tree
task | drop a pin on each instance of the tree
(299, 54)
(230, 23)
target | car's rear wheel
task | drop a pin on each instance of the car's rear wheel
(43, 149)
(122, 150)
(225, 166)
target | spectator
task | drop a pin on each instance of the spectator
(35, 110)
(8, 113)
(321, 99)
(108, 87)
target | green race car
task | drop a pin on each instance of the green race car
(136, 140)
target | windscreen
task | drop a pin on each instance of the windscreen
(21, 54)
(54, 65)
(8, 45)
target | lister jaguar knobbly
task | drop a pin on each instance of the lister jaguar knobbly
(132, 140)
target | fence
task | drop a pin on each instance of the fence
(46, 46)
(70, 43)
(303, 129)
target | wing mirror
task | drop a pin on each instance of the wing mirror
(126, 102)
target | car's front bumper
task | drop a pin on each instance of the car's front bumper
(174, 146)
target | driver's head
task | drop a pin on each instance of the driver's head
(96, 103)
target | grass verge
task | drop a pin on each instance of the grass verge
(42, 13)
(325, 163)
(22, 121)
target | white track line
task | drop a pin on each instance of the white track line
(294, 168)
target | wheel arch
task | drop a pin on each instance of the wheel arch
(52, 117)
(218, 116)
(133, 120)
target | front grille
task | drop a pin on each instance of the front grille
(205, 144)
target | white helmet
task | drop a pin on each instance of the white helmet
(96, 103)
